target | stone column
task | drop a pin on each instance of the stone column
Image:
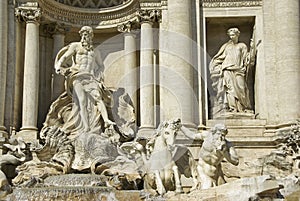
(177, 96)
(3, 66)
(287, 29)
(31, 16)
(57, 79)
(130, 78)
(147, 96)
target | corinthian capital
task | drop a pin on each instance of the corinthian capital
(28, 14)
(128, 27)
(125, 28)
(56, 28)
(149, 15)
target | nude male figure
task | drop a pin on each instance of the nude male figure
(214, 149)
(82, 74)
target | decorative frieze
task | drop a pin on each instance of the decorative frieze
(108, 17)
(230, 3)
(92, 3)
(149, 15)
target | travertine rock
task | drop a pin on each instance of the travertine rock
(254, 188)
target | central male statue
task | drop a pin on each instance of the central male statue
(79, 64)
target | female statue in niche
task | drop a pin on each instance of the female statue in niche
(228, 70)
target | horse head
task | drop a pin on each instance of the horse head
(168, 131)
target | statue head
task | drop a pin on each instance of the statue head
(86, 33)
(233, 34)
(169, 130)
(86, 29)
(219, 129)
(234, 30)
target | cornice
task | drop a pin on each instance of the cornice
(98, 18)
(150, 4)
(230, 3)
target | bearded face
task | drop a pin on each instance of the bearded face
(86, 39)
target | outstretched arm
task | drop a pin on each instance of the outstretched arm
(192, 135)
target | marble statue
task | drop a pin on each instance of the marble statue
(84, 82)
(85, 125)
(228, 71)
(15, 156)
(162, 171)
(162, 162)
(214, 149)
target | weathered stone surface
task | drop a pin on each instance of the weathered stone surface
(242, 190)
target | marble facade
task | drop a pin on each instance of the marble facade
(159, 52)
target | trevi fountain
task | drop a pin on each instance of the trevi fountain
(154, 100)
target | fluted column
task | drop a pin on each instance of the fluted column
(147, 96)
(31, 73)
(287, 29)
(57, 79)
(130, 78)
(3, 63)
(177, 96)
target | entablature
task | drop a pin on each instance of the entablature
(230, 3)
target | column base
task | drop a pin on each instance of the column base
(145, 132)
(28, 134)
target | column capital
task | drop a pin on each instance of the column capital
(56, 29)
(149, 16)
(127, 27)
(29, 13)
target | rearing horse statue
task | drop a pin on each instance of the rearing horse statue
(162, 173)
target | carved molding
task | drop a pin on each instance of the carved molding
(150, 4)
(230, 3)
(92, 3)
(29, 12)
(99, 18)
(149, 15)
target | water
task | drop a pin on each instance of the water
(73, 187)
(76, 180)
(84, 193)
